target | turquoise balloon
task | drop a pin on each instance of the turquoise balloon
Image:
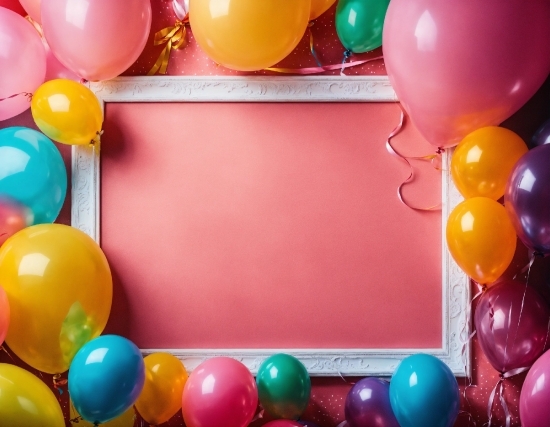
(359, 23)
(32, 172)
(424, 392)
(105, 378)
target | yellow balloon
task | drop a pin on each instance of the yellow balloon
(67, 112)
(248, 35)
(59, 288)
(481, 238)
(484, 160)
(318, 7)
(127, 419)
(25, 401)
(160, 398)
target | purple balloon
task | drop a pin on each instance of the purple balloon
(542, 135)
(512, 324)
(534, 400)
(527, 199)
(368, 404)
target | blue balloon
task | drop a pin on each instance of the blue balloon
(105, 378)
(424, 392)
(32, 172)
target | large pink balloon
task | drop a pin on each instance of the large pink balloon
(33, 9)
(4, 315)
(220, 392)
(534, 400)
(99, 39)
(512, 325)
(459, 65)
(22, 62)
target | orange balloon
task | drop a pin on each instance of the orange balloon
(484, 160)
(481, 238)
(318, 7)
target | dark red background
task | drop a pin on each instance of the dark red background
(326, 406)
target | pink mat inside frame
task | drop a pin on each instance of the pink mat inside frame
(247, 225)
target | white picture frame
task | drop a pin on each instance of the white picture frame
(454, 349)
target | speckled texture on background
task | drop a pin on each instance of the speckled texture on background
(326, 406)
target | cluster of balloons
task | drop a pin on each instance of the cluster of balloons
(422, 392)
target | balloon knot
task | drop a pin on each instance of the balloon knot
(310, 24)
(440, 150)
(347, 53)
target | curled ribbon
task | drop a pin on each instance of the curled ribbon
(432, 158)
(27, 94)
(500, 383)
(175, 38)
(312, 44)
(317, 70)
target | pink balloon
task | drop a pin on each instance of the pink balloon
(4, 315)
(512, 325)
(534, 400)
(13, 218)
(220, 392)
(99, 39)
(283, 423)
(458, 65)
(22, 62)
(55, 69)
(33, 9)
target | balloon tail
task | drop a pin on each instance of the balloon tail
(347, 55)
(259, 415)
(317, 70)
(435, 159)
(174, 38)
(312, 44)
(500, 386)
(27, 94)
(97, 140)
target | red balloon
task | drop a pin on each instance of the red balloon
(220, 392)
(534, 400)
(13, 218)
(283, 423)
(13, 5)
(512, 325)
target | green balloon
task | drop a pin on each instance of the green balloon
(284, 386)
(359, 23)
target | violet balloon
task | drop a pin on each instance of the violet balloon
(542, 135)
(511, 320)
(534, 400)
(457, 66)
(22, 63)
(220, 392)
(99, 39)
(368, 404)
(527, 199)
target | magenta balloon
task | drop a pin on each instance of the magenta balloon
(368, 404)
(508, 339)
(22, 62)
(527, 198)
(99, 39)
(534, 400)
(457, 65)
(220, 392)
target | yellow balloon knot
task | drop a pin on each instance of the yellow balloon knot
(94, 142)
(174, 37)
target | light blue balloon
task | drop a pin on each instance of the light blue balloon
(105, 378)
(424, 392)
(32, 172)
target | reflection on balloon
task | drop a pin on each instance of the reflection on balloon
(368, 403)
(527, 199)
(67, 112)
(25, 401)
(60, 294)
(284, 386)
(431, 46)
(481, 238)
(22, 61)
(248, 35)
(512, 324)
(483, 161)
(105, 378)
(32, 172)
(542, 135)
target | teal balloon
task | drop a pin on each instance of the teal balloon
(359, 23)
(105, 378)
(284, 386)
(424, 392)
(32, 172)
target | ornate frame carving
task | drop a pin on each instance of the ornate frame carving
(454, 350)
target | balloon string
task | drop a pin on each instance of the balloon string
(5, 350)
(333, 360)
(500, 383)
(312, 44)
(317, 70)
(36, 26)
(347, 55)
(58, 383)
(430, 158)
(27, 94)
(174, 38)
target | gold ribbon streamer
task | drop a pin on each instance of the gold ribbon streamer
(175, 38)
